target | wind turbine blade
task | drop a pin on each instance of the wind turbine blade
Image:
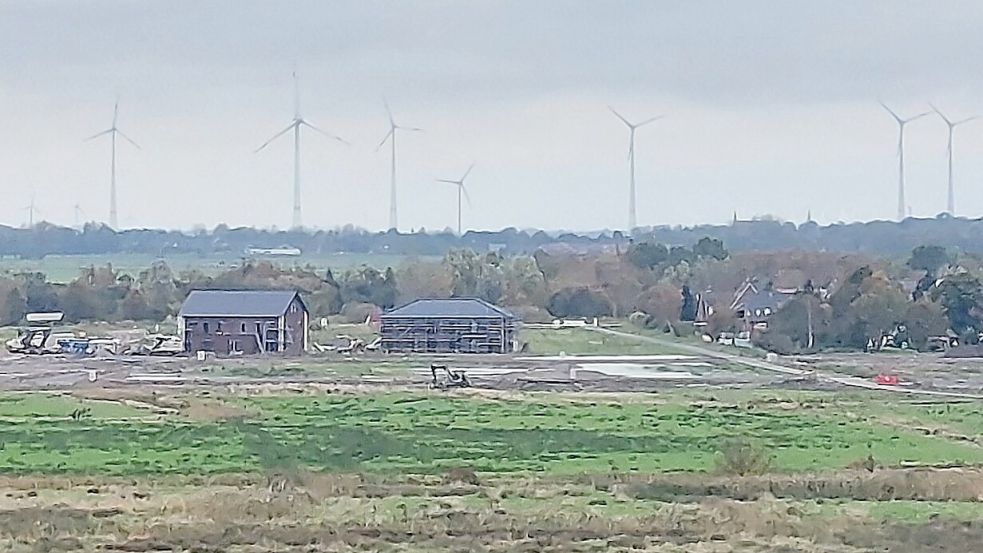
(97, 135)
(618, 115)
(296, 95)
(128, 139)
(277, 135)
(325, 133)
(647, 121)
(385, 138)
(919, 116)
(468, 172)
(940, 114)
(115, 112)
(389, 112)
(966, 120)
(467, 197)
(449, 181)
(889, 110)
(413, 129)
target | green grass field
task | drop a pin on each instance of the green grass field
(578, 341)
(298, 472)
(431, 432)
(64, 268)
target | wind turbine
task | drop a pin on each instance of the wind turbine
(78, 211)
(391, 137)
(632, 127)
(295, 125)
(31, 209)
(901, 125)
(951, 203)
(460, 190)
(112, 132)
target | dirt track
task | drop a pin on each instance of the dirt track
(695, 367)
(941, 383)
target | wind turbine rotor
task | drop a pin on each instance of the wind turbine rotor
(325, 133)
(650, 120)
(619, 116)
(382, 142)
(128, 139)
(278, 135)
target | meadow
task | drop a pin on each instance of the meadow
(432, 432)
(151, 470)
(578, 341)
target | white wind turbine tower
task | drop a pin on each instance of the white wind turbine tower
(460, 190)
(295, 126)
(79, 213)
(31, 210)
(112, 132)
(951, 200)
(632, 127)
(901, 125)
(391, 137)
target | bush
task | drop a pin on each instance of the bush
(530, 313)
(741, 457)
(355, 312)
(580, 302)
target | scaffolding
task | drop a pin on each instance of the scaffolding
(449, 334)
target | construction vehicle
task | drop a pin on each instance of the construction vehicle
(444, 378)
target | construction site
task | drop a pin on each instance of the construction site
(593, 436)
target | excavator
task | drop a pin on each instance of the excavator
(444, 378)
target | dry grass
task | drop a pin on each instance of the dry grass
(302, 512)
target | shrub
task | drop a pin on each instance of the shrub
(741, 457)
(355, 312)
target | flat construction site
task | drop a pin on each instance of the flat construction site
(592, 440)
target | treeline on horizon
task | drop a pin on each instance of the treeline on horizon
(880, 237)
(838, 301)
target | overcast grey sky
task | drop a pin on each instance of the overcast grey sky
(770, 109)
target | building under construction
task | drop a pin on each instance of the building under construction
(456, 325)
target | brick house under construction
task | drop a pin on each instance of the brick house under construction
(246, 322)
(455, 325)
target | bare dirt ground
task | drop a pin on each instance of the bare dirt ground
(495, 372)
(918, 373)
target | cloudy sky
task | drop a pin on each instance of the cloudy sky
(771, 108)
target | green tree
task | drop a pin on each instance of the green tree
(929, 259)
(367, 285)
(688, 308)
(647, 255)
(14, 307)
(134, 307)
(679, 254)
(961, 296)
(710, 247)
(923, 320)
(579, 302)
(39, 293)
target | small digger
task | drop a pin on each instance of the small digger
(444, 378)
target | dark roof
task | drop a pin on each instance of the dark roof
(763, 299)
(237, 303)
(451, 307)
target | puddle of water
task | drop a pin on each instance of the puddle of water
(634, 370)
(611, 358)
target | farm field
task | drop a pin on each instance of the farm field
(304, 470)
(431, 432)
(64, 268)
(575, 341)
